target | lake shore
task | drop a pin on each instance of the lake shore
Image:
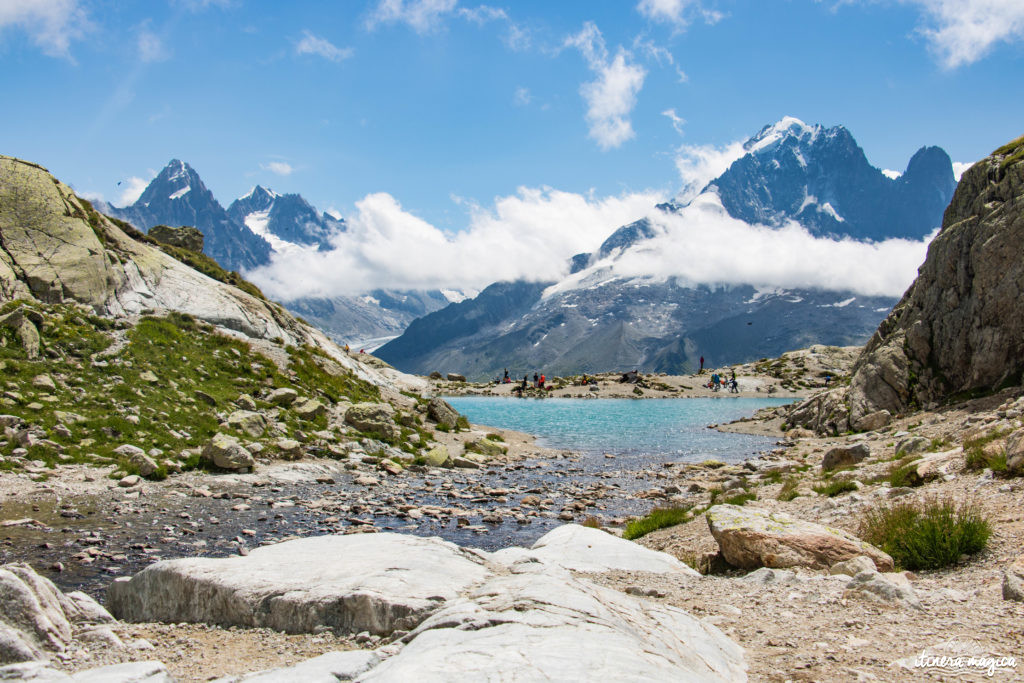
(796, 374)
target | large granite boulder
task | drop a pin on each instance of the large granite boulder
(546, 625)
(441, 412)
(50, 252)
(36, 618)
(225, 452)
(374, 417)
(751, 537)
(377, 583)
(20, 321)
(584, 549)
(844, 456)
(248, 421)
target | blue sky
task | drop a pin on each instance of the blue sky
(433, 99)
(447, 108)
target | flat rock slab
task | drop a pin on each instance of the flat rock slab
(591, 550)
(327, 668)
(377, 583)
(752, 537)
(548, 626)
(131, 672)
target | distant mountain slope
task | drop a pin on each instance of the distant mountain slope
(596, 319)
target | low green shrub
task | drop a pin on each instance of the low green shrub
(658, 518)
(834, 488)
(926, 534)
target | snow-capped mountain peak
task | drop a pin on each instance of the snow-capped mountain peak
(786, 127)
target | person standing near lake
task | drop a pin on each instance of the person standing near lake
(701, 366)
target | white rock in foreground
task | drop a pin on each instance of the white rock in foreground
(130, 672)
(36, 617)
(548, 626)
(584, 549)
(327, 668)
(377, 583)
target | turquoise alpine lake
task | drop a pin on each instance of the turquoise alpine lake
(671, 429)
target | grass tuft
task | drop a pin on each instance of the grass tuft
(658, 518)
(927, 534)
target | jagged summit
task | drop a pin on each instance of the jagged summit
(821, 178)
(786, 127)
(284, 220)
(178, 196)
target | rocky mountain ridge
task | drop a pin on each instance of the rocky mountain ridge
(821, 178)
(253, 228)
(177, 196)
(597, 319)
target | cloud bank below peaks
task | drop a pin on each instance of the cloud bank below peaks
(529, 235)
(702, 244)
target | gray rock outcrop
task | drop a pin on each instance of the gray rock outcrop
(546, 625)
(959, 328)
(185, 236)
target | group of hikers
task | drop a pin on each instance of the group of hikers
(718, 382)
(539, 382)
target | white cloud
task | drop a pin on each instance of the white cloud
(678, 13)
(964, 31)
(891, 174)
(612, 95)
(321, 47)
(482, 14)
(422, 16)
(151, 47)
(529, 235)
(959, 167)
(522, 96)
(281, 168)
(961, 32)
(703, 244)
(518, 38)
(131, 190)
(51, 24)
(677, 122)
(700, 164)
